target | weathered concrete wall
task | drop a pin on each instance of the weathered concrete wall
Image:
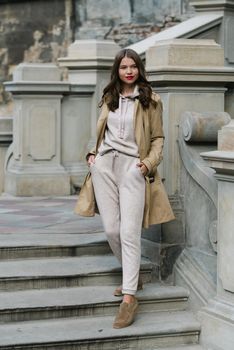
(32, 31)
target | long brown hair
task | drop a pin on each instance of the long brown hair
(112, 90)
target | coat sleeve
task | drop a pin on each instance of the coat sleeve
(154, 157)
(102, 117)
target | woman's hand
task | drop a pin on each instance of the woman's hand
(91, 159)
(143, 168)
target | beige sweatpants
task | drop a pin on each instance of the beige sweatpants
(119, 188)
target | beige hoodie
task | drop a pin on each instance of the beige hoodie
(119, 134)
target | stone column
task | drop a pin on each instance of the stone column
(189, 75)
(89, 63)
(217, 318)
(34, 165)
(225, 37)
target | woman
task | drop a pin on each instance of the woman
(123, 172)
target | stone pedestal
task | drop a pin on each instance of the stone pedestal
(218, 317)
(189, 75)
(34, 163)
(89, 63)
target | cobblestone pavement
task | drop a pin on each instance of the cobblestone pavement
(44, 215)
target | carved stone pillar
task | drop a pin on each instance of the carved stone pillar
(217, 318)
(88, 63)
(189, 75)
(34, 161)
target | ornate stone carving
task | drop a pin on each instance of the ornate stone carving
(197, 128)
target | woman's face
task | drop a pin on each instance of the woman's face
(128, 71)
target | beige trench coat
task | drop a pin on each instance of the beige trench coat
(149, 138)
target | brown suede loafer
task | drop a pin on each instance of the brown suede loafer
(125, 315)
(118, 290)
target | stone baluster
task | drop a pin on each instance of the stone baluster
(217, 317)
(5, 141)
(89, 63)
(34, 164)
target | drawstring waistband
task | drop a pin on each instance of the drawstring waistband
(116, 153)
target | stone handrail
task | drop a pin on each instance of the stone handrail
(187, 29)
(218, 314)
(203, 127)
(199, 132)
(194, 129)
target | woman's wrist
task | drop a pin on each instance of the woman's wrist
(91, 159)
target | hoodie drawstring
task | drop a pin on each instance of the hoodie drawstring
(123, 110)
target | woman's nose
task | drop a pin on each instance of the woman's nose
(129, 70)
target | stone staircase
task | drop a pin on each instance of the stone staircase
(56, 293)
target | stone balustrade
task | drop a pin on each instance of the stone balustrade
(55, 121)
(34, 165)
(189, 75)
(88, 64)
(218, 314)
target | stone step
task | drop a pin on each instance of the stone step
(150, 330)
(64, 272)
(19, 246)
(85, 301)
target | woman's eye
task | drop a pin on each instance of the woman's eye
(132, 67)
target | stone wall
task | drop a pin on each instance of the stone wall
(41, 30)
(126, 21)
